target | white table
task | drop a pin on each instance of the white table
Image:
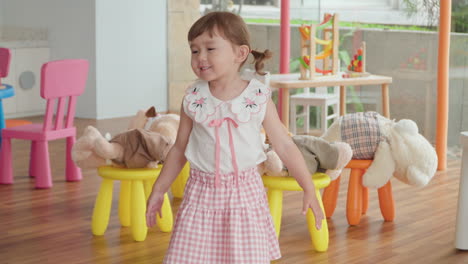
(291, 81)
(461, 231)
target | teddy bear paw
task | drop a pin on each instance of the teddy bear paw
(345, 153)
(417, 177)
(333, 174)
(83, 147)
(153, 165)
(91, 132)
(105, 149)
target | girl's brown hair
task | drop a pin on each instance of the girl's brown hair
(233, 29)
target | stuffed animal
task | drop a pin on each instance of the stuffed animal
(396, 148)
(319, 155)
(145, 144)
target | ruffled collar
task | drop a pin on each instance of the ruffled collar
(202, 104)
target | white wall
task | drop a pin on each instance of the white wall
(2, 10)
(124, 41)
(131, 53)
(71, 28)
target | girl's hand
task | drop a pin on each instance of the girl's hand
(310, 201)
(154, 205)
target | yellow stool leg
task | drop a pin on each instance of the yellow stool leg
(165, 223)
(275, 200)
(178, 185)
(102, 208)
(319, 237)
(138, 209)
(148, 184)
(124, 203)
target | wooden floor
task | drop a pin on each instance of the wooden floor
(53, 225)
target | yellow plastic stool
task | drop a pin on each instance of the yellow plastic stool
(276, 186)
(135, 188)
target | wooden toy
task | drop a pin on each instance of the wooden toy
(417, 61)
(357, 66)
(309, 45)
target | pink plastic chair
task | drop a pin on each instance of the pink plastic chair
(59, 80)
(5, 58)
(5, 89)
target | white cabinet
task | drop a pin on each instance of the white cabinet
(25, 76)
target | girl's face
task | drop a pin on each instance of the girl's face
(215, 57)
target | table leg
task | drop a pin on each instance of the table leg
(342, 100)
(285, 107)
(385, 103)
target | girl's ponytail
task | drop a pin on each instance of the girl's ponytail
(259, 58)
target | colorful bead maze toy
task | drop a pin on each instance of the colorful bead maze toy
(357, 66)
(330, 48)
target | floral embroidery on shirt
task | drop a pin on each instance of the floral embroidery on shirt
(251, 103)
(192, 93)
(258, 92)
(198, 103)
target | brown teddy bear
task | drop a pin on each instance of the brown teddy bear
(145, 144)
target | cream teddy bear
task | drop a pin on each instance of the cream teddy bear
(396, 148)
(145, 144)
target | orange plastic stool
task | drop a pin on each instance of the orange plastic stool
(358, 196)
(16, 122)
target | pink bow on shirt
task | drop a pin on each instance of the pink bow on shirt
(216, 123)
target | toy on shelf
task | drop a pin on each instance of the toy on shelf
(309, 45)
(357, 66)
(417, 61)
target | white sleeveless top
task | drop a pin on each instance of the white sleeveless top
(238, 123)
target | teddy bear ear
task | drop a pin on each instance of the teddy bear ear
(151, 112)
(406, 126)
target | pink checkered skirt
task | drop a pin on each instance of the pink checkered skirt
(228, 224)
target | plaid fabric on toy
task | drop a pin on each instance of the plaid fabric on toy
(361, 131)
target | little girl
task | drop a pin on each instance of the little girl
(224, 216)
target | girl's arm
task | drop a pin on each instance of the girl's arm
(173, 164)
(286, 149)
(175, 159)
(293, 159)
